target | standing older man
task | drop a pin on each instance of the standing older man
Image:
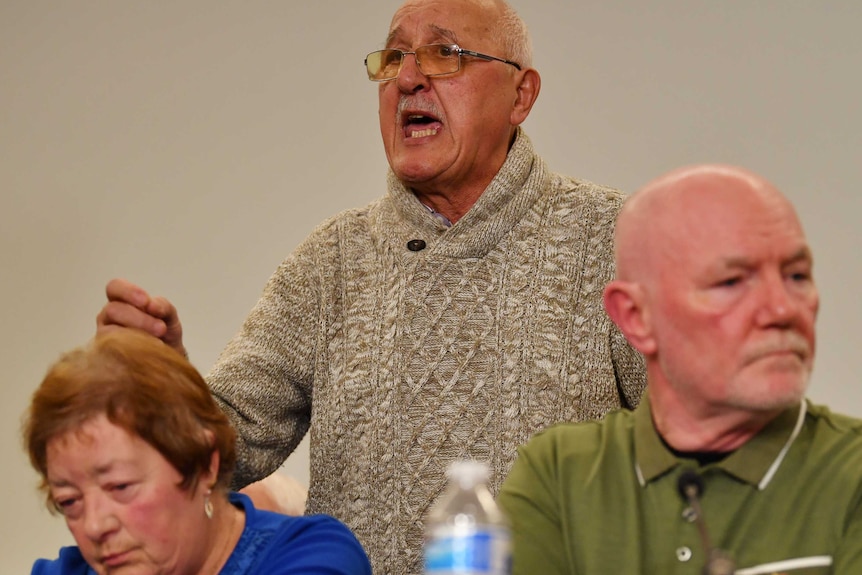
(452, 318)
(714, 287)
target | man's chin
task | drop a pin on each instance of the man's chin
(414, 173)
(779, 394)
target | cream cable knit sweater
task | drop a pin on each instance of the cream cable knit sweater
(404, 360)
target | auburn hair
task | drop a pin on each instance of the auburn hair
(141, 385)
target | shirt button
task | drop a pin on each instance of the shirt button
(683, 554)
(416, 245)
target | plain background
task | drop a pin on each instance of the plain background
(189, 146)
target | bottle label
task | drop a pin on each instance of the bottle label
(480, 552)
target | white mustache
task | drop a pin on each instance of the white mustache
(417, 104)
(790, 341)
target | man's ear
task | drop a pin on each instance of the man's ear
(526, 92)
(627, 306)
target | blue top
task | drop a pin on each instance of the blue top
(271, 544)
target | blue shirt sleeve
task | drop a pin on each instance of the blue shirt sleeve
(314, 545)
(275, 544)
(70, 562)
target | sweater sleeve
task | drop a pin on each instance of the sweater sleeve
(263, 378)
(629, 369)
(628, 365)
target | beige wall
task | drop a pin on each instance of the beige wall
(190, 145)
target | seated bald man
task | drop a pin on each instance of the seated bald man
(724, 467)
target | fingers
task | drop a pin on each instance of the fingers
(122, 290)
(119, 314)
(161, 308)
(130, 306)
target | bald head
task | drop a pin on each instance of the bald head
(694, 201)
(500, 21)
(715, 288)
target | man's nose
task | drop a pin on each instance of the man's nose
(410, 78)
(777, 305)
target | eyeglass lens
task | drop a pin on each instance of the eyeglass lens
(432, 60)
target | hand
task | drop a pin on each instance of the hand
(278, 492)
(130, 306)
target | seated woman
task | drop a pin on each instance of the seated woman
(136, 456)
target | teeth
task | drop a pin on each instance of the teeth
(423, 133)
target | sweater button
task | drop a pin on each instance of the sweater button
(416, 245)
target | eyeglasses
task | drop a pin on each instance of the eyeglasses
(432, 60)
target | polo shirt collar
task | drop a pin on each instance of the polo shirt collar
(755, 462)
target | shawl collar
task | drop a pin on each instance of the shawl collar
(505, 201)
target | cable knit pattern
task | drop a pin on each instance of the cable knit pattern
(402, 361)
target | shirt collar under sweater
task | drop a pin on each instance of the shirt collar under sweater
(513, 191)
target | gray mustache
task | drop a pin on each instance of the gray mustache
(418, 104)
(788, 342)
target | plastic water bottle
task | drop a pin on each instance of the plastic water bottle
(465, 532)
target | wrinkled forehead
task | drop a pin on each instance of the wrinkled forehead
(447, 21)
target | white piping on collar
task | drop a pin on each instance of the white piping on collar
(770, 473)
(640, 475)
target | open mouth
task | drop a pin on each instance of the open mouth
(420, 125)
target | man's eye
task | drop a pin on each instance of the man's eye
(445, 51)
(729, 282)
(391, 58)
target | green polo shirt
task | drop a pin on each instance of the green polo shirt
(601, 498)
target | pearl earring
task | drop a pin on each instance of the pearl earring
(208, 505)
